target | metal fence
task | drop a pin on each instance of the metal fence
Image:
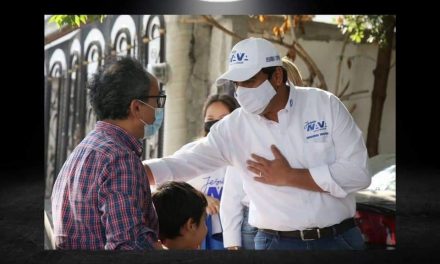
(69, 63)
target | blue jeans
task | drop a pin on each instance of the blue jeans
(212, 241)
(349, 240)
(248, 232)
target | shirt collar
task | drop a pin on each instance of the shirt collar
(291, 101)
(121, 135)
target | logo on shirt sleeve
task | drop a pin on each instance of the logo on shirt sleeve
(315, 129)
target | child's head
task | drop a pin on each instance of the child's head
(181, 210)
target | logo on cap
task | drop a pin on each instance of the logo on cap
(272, 58)
(238, 57)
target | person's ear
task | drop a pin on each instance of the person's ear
(193, 224)
(187, 227)
(135, 108)
(277, 76)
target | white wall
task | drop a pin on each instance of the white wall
(221, 44)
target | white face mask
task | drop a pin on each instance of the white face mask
(255, 100)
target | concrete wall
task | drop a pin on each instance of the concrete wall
(221, 44)
(187, 53)
(198, 84)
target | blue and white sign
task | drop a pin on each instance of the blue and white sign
(315, 128)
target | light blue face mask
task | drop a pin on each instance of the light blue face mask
(151, 129)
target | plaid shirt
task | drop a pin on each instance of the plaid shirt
(101, 198)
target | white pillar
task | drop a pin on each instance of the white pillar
(178, 36)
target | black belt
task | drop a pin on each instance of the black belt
(316, 233)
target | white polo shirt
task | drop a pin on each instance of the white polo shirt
(315, 131)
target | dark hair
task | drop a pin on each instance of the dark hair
(225, 99)
(175, 203)
(271, 70)
(113, 88)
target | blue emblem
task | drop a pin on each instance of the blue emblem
(316, 128)
(238, 57)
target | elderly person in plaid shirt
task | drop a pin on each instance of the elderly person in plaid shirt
(101, 198)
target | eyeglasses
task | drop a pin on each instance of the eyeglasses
(160, 99)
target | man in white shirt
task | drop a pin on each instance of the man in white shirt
(300, 154)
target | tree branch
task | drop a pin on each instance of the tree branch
(339, 68)
(344, 90)
(352, 108)
(346, 97)
(307, 59)
(214, 22)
